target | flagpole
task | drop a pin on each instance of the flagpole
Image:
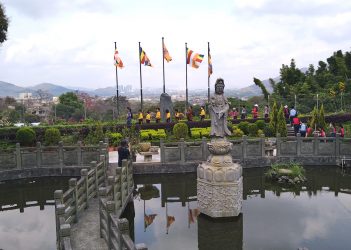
(144, 217)
(166, 218)
(117, 96)
(186, 77)
(141, 82)
(188, 215)
(208, 80)
(163, 65)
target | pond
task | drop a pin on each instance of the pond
(27, 213)
(316, 215)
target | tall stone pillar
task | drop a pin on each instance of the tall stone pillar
(220, 182)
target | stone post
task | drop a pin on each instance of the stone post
(123, 228)
(102, 198)
(181, 146)
(262, 143)
(38, 154)
(337, 146)
(118, 188)
(244, 147)
(315, 145)
(84, 174)
(101, 147)
(204, 148)
(162, 150)
(105, 164)
(73, 184)
(93, 166)
(65, 232)
(298, 144)
(79, 153)
(110, 207)
(111, 182)
(18, 156)
(59, 211)
(60, 154)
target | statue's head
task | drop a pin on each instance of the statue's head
(219, 86)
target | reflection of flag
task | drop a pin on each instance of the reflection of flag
(193, 214)
(210, 70)
(170, 220)
(166, 54)
(118, 61)
(194, 58)
(143, 58)
(148, 219)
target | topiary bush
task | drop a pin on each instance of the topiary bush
(237, 132)
(252, 127)
(260, 124)
(25, 136)
(269, 131)
(180, 130)
(260, 133)
(52, 136)
(244, 126)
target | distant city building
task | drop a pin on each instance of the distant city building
(55, 99)
(25, 96)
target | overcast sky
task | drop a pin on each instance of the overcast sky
(71, 42)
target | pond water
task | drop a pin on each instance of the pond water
(316, 215)
(27, 213)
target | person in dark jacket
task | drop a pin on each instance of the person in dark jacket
(123, 152)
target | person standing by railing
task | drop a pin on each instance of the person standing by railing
(243, 112)
(123, 152)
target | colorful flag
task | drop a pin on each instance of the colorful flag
(194, 58)
(166, 54)
(148, 219)
(210, 70)
(143, 58)
(170, 220)
(193, 214)
(118, 62)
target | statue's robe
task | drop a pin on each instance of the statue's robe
(219, 112)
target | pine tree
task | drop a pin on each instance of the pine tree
(321, 119)
(314, 118)
(281, 123)
(273, 118)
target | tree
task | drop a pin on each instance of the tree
(259, 83)
(281, 123)
(70, 107)
(4, 23)
(321, 119)
(273, 118)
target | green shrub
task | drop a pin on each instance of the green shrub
(252, 127)
(114, 138)
(237, 133)
(268, 131)
(281, 123)
(198, 133)
(180, 130)
(26, 136)
(244, 126)
(260, 124)
(152, 134)
(260, 132)
(52, 136)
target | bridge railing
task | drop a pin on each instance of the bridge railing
(113, 200)
(48, 156)
(70, 204)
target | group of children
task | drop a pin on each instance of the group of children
(156, 116)
(234, 113)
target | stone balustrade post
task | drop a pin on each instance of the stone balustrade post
(79, 153)
(101, 147)
(123, 228)
(111, 182)
(110, 207)
(60, 154)
(84, 174)
(18, 156)
(278, 142)
(102, 198)
(204, 148)
(93, 165)
(244, 147)
(65, 231)
(337, 146)
(118, 187)
(262, 144)
(298, 144)
(182, 146)
(105, 152)
(59, 211)
(315, 145)
(38, 154)
(162, 150)
(105, 164)
(73, 184)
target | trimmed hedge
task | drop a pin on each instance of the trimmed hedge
(152, 134)
(197, 133)
(52, 136)
(25, 136)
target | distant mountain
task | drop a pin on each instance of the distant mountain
(108, 91)
(9, 89)
(254, 90)
(53, 89)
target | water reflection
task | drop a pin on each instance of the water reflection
(316, 215)
(27, 216)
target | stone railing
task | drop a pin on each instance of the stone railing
(50, 156)
(69, 205)
(309, 151)
(113, 200)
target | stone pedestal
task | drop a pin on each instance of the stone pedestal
(219, 182)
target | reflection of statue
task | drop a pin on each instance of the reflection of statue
(219, 111)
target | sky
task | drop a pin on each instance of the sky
(71, 42)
